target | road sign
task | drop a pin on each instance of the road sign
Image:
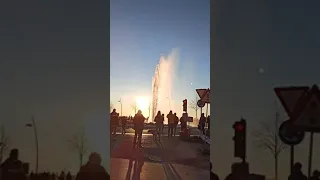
(204, 95)
(201, 104)
(290, 97)
(307, 116)
(289, 134)
(201, 92)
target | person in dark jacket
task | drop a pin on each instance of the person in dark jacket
(93, 169)
(171, 119)
(176, 122)
(162, 119)
(297, 173)
(69, 177)
(114, 122)
(202, 123)
(138, 124)
(183, 121)
(12, 167)
(159, 122)
(62, 175)
(124, 125)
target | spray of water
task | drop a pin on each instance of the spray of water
(162, 84)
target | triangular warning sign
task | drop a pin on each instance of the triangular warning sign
(308, 116)
(290, 97)
(201, 92)
(206, 97)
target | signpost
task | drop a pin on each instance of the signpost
(204, 95)
(303, 107)
(289, 134)
(201, 104)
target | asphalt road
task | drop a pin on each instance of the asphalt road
(169, 158)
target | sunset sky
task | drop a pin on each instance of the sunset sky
(53, 64)
(280, 37)
(142, 31)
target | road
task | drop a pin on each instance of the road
(169, 159)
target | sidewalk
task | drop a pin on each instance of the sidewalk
(170, 158)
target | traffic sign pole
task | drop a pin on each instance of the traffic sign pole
(291, 157)
(310, 155)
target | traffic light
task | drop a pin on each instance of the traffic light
(185, 102)
(240, 138)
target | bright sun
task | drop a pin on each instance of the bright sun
(142, 103)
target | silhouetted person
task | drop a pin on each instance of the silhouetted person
(183, 121)
(202, 123)
(31, 176)
(170, 117)
(138, 124)
(213, 176)
(69, 177)
(53, 176)
(297, 173)
(93, 169)
(12, 167)
(315, 175)
(162, 122)
(208, 130)
(62, 175)
(176, 121)
(114, 118)
(159, 123)
(124, 125)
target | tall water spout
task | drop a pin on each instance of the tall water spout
(162, 85)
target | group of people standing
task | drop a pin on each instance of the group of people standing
(173, 121)
(114, 123)
(139, 121)
(202, 124)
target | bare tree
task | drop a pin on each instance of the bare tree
(4, 142)
(267, 138)
(134, 106)
(79, 144)
(193, 105)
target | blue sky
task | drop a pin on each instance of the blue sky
(142, 30)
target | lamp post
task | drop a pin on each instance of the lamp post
(120, 101)
(33, 125)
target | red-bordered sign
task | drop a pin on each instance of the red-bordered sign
(307, 114)
(290, 97)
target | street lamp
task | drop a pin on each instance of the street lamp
(33, 125)
(120, 101)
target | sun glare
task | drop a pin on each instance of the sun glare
(143, 104)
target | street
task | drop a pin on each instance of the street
(170, 159)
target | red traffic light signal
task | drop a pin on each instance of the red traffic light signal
(184, 101)
(240, 139)
(239, 127)
(185, 105)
